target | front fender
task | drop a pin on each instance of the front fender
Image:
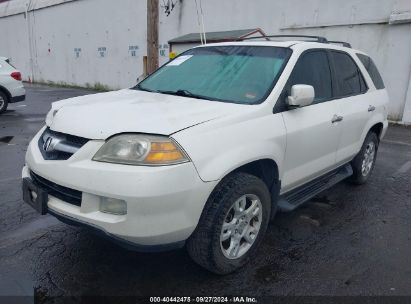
(218, 148)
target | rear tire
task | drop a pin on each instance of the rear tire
(4, 101)
(242, 203)
(363, 164)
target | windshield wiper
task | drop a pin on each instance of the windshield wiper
(139, 87)
(184, 93)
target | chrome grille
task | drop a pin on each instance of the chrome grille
(59, 146)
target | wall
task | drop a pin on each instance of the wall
(59, 27)
(14, 42)
(407, 107)
(65, 39)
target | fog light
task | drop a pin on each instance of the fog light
(113, 206)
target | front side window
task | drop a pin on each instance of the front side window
(237, 74)
(313, 69)
(372, 71)
(348, 76)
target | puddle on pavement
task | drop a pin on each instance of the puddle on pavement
(322, 199)
(16, 283)
(29, 230)
(40, 295)
(6, 139)
(268, 273)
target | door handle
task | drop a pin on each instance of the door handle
(336, 118)
(371, 108)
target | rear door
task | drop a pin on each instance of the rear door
(354, 105)
(312, 132)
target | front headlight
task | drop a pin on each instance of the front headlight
(139, 149)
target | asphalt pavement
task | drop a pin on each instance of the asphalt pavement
(348, 241)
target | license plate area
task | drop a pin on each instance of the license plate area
(35, 196)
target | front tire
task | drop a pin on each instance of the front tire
(363, 164)
(232, 225)
(4, 101)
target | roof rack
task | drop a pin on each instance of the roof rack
(311, 38)
(346, 44)
(316, 38)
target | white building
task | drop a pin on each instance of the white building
(89, 42)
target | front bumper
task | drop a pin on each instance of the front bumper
(18, 98)
(164, 203)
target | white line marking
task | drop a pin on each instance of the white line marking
(34, 119)
(396, 142)
(404, 168)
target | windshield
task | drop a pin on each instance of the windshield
(238, 74)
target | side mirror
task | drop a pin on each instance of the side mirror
(301, 95)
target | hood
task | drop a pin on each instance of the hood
(100, 116)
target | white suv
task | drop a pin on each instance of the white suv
(203, 152)
(11, 86)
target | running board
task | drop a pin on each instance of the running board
(295, 198)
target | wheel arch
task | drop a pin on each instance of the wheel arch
(267, 170)
(377, 129)
(377, 124)
(5, 91)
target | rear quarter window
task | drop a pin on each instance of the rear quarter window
(6, 64)
(372, 71)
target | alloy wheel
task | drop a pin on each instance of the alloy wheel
(241, 226)
(1, 102)
(368, 159)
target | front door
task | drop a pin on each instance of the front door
(313, 132)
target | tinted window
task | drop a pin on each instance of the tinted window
(240, 74)
(372, 70)
(313, 69)
(8, 61)
(348, 76)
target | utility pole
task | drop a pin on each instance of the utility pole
(152, 35)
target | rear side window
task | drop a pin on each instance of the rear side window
(313, 69)
(372, 70)
(348, 76)
(6, 62)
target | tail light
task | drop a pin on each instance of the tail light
(16, 75)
